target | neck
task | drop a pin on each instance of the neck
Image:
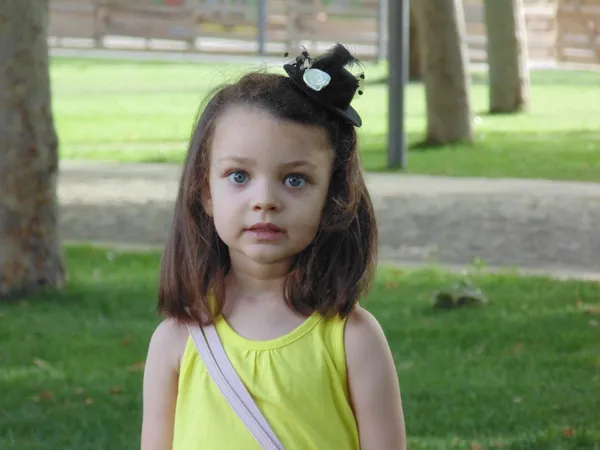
(257, 281)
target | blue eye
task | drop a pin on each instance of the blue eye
(238, 177)
(295, 181)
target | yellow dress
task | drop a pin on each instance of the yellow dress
(298, 381)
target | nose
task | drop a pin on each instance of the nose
(265, 198)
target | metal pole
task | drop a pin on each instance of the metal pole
(262, 26)
(398, 77)
(382, 30)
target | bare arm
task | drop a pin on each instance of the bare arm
(160, 385)
(373, 383)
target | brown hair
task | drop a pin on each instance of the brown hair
(330, 275)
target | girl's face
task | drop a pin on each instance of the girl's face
(268, 184)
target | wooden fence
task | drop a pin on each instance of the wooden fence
(540, 19)
(218, 25)
(578, 31)
(558, 30)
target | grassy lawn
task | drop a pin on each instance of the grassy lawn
(126, 111)
(521, 373)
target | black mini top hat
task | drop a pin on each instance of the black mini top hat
(326, 80)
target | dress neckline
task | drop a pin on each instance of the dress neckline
(227, 332)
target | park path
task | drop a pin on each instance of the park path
(539, 226)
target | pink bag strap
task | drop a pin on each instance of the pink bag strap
(215, 359)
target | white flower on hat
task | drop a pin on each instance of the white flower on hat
(316, 79)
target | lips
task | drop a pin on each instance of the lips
(266, 232)
(265, 227)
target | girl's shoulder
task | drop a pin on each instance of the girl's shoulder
(168, 342)
(363, 335)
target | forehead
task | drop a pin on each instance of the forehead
(246, 131)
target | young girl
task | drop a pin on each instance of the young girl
(273, 243)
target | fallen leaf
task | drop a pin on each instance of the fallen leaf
(592, 309)
(88, 401)
(475, 446)
(568, 432)
(126, 341)
(116, 390)
(588, 308)
(139, 366)
(391, 284)
(44, 365)
(40, 363)
(46, 395)
(519, 347)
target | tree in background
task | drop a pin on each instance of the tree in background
(30, 252)
(415, 71)
(507, 55)
(442, 36)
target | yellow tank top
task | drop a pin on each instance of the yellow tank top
(298, 381)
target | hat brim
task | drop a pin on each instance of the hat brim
(350, 114)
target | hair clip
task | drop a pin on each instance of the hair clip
(326, 80)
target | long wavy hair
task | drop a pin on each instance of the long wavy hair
(330, 275)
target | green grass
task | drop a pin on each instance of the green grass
(522, 372)
(130, 111)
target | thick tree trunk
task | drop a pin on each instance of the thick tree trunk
(441, 28)
(507, 55)
(415, 70)
(30, 253)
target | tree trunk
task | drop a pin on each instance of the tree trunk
(507, 55)
(415, 71)
(30, 253)
(441, 28)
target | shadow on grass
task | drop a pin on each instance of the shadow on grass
(424, 146)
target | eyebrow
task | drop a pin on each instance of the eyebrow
(250, 162)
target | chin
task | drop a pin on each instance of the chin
(269, 258)
(267, 255)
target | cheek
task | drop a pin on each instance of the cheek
(226, 224)
(308, 218)
(222, 215)
(219, 192)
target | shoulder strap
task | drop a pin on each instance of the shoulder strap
(211, 351)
